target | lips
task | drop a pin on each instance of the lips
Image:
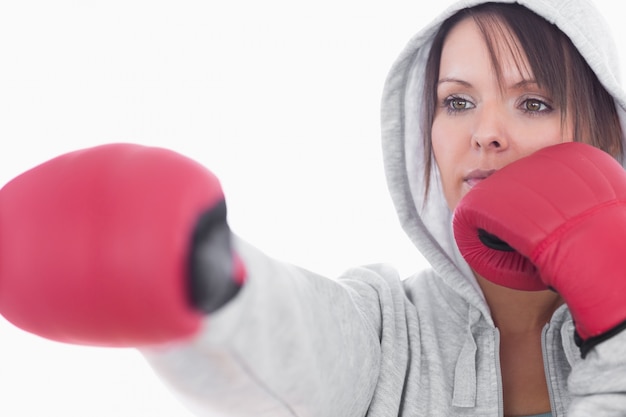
(476, 176)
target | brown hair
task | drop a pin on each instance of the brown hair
(553, 59)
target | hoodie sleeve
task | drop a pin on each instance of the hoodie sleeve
(291, 343)
(598, 383)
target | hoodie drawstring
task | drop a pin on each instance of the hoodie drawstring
(465, 383)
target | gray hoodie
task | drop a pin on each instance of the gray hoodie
(372, 343)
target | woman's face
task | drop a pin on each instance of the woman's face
(481, 125)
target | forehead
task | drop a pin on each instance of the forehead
(484, 43)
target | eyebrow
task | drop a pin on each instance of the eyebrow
(453, 80)
(520, 84)
(525, 83)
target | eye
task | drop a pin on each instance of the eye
(533, 105)
(457, 104)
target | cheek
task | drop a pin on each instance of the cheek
(539, 135)
(445, 141)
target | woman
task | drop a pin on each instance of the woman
(482, 87)
(481, 113)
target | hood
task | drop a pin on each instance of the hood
(429, 225)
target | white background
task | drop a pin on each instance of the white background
(279, 98)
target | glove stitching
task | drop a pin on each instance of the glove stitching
(570, 224)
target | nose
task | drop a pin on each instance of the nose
(490, 133)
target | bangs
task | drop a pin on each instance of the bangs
(536, 48)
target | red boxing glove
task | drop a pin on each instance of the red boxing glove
(112, 246)
(555, 219)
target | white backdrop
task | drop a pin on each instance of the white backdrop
(279, 98)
